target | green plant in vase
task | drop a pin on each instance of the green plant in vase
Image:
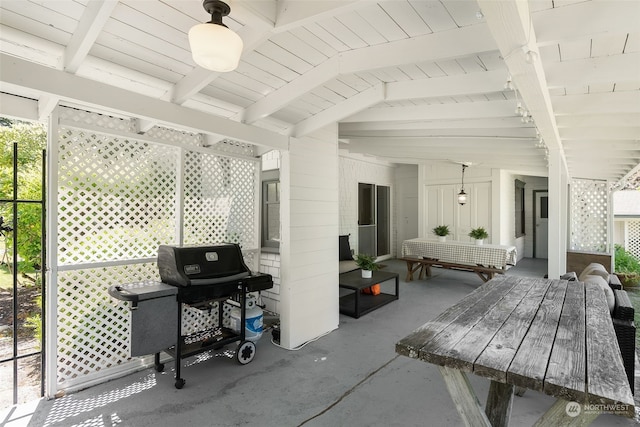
(479, 234)
(367, 263)
(442, 231)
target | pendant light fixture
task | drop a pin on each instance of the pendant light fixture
(213, 45)
(462, 196)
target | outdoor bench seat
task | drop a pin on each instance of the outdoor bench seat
(625, 328)
(424, 265)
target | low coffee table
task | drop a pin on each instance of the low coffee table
(355, 303)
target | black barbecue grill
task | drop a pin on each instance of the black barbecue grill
(196, 276)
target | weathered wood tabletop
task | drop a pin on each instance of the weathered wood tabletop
(552, 336)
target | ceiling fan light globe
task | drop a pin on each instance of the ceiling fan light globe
(215, 47)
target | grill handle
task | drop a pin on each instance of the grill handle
(123, 294)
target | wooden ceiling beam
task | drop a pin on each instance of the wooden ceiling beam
(511, 25)
(89, 27)
(461, 111)
(427, 48)
(433, 125)
(18, 74)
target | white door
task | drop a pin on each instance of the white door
(541, 248)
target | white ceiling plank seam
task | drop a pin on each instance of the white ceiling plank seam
(588, 71)
(589, 18)
(293, 14)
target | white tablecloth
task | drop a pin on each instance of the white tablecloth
(462, 253)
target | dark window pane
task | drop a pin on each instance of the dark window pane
(544, 207)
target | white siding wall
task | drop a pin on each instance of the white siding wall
(270, 264)
(505, 233)
(438, 203)
(352, 171)
(406, 204)
(309, 246)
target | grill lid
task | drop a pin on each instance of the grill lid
(201, 265)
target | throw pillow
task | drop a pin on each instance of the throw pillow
(594, 269)
(345, 249)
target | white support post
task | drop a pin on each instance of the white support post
(557, 233)
(180, 197)
(51, 299)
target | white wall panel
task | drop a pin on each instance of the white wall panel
(309, 246)
(480, 205)
(406, 204)
(442, 208)
(353, 171)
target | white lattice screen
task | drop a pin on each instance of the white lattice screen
(117, 201)
(632, 242)
(589, 208)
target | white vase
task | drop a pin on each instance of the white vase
(479, 241)
(442, 238)
(366, 274)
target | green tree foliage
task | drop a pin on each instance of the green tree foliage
(31, 139)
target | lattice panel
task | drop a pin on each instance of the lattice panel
(235, 147)
(195, 320)
(589, 210)
(96, 119)
(93, 329)
(117, 201)
(219, 200)
(116, 197)
(632, 245)
(171, 135)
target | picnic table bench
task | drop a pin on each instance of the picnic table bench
(551, 336)
(424, 265)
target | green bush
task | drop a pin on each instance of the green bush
(627, 266)
(34, 321)
(31, 139)
(626, 262)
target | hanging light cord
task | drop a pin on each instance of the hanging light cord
(463, 168)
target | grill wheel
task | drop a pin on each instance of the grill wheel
(246, 352)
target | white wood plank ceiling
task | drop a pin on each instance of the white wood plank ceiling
(408, 81)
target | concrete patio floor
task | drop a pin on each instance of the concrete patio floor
(350, 377)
